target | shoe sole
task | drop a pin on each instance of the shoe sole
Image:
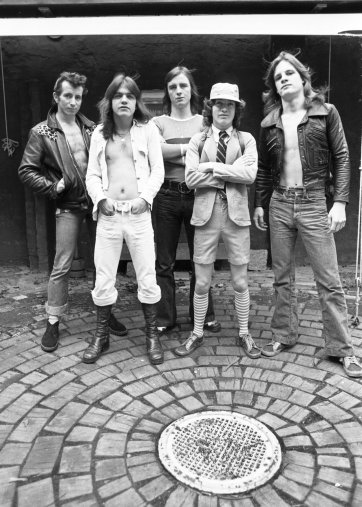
(213, 329)
(353, 375)
(182, 354)
(272, 354)
(94, 359)
(158, 361)
(251, 356)
(90, 361)
(118, 333)
(49, 349)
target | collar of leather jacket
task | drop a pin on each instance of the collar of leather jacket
(316, 109)
(81, 119)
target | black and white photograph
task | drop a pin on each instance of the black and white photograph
(180, 253)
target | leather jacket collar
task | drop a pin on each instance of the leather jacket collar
(53, 123)
(273, 118)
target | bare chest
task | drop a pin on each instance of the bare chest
(290, 127)
(119, 150)
(121, 170)
(74, 139)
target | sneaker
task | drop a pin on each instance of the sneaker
(214, 326)
(352, 366)
(49, 342)
(273, 348)
(249, 346)
(191, 344)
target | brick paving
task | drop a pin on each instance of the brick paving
(73, 434)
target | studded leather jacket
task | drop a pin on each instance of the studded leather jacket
(322, 147)
(47, 159)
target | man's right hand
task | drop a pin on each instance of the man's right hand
(60, 186)
(259, 219)
(106, 207)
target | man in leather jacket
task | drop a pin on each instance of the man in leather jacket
(300, 135)
(54, 165)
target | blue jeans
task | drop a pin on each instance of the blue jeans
(68, 226)
(304, 211)
(171, 210)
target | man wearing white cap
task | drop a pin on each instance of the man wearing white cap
(220, 163)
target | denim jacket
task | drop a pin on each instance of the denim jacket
(47, 159)
(234, 173)
(323, 150)
(147, 158)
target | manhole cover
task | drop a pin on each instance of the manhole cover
(220, 452)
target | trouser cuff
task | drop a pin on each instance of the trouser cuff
(56, 311)
(105, 301)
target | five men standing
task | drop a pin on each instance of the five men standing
(300, 136)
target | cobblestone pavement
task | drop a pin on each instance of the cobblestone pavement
(82, 435)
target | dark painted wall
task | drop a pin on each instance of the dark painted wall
(234, 58)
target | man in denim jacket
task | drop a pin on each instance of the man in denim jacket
(125, 172)
(54, 165)
(299, 136)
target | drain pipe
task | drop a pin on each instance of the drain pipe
(358, 274)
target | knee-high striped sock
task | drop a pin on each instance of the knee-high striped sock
(242, 304)
(201, 302)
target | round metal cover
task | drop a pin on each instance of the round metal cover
(219, 451)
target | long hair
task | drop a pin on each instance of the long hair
(73, 78)
(141, 113)
(207, 113)
(176, 71)
(271, 97)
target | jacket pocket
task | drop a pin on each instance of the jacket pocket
(317, 134)
(320, 158)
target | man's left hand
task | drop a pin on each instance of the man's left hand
(337, 217)
(205, 167)
(139, 206)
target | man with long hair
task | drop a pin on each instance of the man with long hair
(220, 163)
(300, 135)
(54, 165)
(175, 201)
(125, 172)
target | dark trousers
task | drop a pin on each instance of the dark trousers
(171, 209)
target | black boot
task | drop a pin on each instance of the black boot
(100, 340)
(154, 349)
(49, 342)
(116, 327)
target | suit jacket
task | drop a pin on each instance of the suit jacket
(235, 172)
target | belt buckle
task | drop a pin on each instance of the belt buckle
(123, 207)
(183, 188)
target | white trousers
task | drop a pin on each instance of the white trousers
(137, 232)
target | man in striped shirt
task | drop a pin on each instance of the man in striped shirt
(174, 202)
